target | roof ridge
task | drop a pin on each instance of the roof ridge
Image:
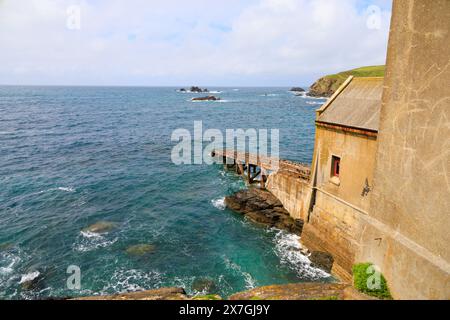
(334, 96)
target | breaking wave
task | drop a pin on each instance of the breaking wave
(132, 280)
(288, 249)
(88, 241)
(219, 203)
(250, 282)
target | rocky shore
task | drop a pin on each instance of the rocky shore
(294, 291)
(264, 208)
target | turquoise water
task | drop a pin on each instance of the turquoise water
(73, 156)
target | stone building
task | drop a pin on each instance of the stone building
(380, 185)
(342, 171)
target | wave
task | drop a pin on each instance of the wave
(89, 241)
(64, 189)
(315, 102)
(8, 261)
(209, 101)
(288, 249)
(219, 203)
(132, 280)
(195, 92)
(250, 282)
(270, 95)
(305, 96)
(29, 277)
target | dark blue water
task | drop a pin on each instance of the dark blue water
(73, 156)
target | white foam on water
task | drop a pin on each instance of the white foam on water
(314, 102)
(219, 203)
(288, 249)
(64, 189)
(29, 276)
(131, 280)
(269, 95)
(7, 263)
(250, 282)
(89, 241)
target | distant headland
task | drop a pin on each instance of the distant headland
(327, 85)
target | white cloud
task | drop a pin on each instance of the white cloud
(259, 42)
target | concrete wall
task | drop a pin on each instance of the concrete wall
(335, 223)
(292, 191)
(410, 205)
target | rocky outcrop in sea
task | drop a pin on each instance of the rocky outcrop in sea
(263, 207)
(208, 98)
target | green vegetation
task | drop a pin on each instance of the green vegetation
(372, 71)
(326, 86)
(363, 277)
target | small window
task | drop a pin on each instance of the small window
(335, 166)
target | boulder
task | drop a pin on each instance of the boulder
(263, 207)
(140, 249)
(5, 246)
(322, 260)
(208, 98)
(198, 89)
(297, 89)
(100, 227)
(32, 280)
(205, 285)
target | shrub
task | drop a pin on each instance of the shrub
(364, 277)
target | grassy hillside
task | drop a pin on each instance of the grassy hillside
(326, 86)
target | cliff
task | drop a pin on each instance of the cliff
(326, 86)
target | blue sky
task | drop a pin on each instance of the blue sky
(179, 43)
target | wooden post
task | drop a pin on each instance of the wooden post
(262, 185)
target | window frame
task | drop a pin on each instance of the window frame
(335, 166)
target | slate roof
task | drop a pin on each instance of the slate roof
(356, 104)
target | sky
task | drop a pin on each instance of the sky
(181, 43)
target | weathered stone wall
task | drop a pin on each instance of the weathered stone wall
(334, 225)
(292, 192)
(407, 231)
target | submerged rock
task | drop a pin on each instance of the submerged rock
(100, 227)
(140, 249)
(263, 207)
(205, 285)
(32, 280)
(5, 246)
(208, 98)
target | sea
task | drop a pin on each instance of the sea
(71, 157)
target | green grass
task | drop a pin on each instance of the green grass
(371, 71)
(363, 277)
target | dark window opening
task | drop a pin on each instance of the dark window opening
(335, 166)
